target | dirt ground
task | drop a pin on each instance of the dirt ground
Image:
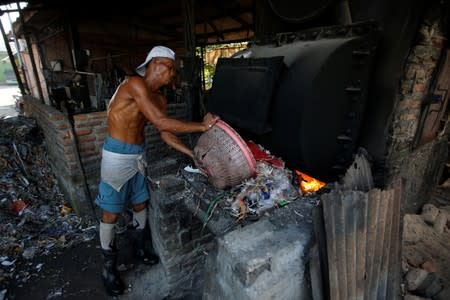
(70, 274)
(74, 273)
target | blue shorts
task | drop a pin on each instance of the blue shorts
(134, 191)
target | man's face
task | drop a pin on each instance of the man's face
(164, 69)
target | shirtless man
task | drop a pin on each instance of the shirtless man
(136, 101)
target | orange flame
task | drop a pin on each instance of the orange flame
(308, 184)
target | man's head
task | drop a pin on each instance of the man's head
(157, 51)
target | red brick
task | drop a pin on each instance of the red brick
(438, 41)
(56, 117)
(86, 147)
(408, 103)
(88, 124)
(81, 132)
(62, 126)
(98, 115)
(420, 87)
(70, 157)
(421, 73)
(409, 117)
(86, 139)
(81, 117)
(101, 129)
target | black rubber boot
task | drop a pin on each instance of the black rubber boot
(113, 284)
(141, 252)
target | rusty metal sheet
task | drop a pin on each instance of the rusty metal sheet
(349, 205)
(395, 275)
(361, 225)
(328, 212)
(363, 243)
(386, 198)
(372, 220)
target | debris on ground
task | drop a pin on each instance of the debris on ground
(35, 218)
(425, 255)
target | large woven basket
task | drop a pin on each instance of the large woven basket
(224, 156)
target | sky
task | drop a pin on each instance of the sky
(6, 23)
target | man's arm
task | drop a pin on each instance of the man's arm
(175, 142)
(158, 118)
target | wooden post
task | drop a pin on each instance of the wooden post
(30, 51)
(11, 58)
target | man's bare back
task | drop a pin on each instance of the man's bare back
(125, 121)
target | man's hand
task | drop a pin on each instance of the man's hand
(209, 120)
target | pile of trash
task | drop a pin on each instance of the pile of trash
(35, 219)
(271, 187)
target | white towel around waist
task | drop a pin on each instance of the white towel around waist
(116, 168)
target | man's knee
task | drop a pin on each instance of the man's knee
(140, 206)
(109, 217)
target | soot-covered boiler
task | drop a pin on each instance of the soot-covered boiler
(301, 95)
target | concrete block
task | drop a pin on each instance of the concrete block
(260, 261)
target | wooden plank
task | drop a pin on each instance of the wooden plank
(434, 112)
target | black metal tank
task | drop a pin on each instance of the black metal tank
(310, 107)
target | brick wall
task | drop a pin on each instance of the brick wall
(61, 149)
(90, 131)
(418, 166)
(419, 68)
(179, 237)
